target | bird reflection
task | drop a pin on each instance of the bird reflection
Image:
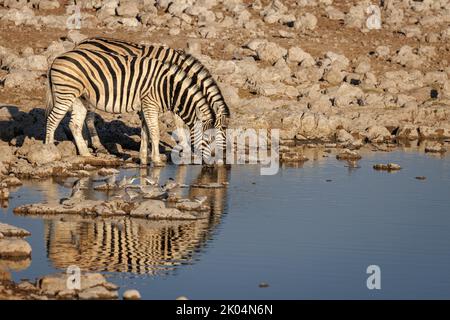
(137, 245)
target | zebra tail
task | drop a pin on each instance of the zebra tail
(49, 96)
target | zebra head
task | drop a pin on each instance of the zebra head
(222, 114)
(209, 137)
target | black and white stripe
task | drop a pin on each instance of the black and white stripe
(117, 83)
(187, 63)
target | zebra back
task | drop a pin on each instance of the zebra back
(190, 65)
(127, 79)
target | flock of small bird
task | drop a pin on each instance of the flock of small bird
(127, 191)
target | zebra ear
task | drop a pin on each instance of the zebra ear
(199, 114)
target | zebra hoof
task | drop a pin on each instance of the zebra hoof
(86, 155)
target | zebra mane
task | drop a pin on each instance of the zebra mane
(198, 68)
(177, 71)
(111, 41)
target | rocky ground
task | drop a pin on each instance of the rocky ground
(315, 69)
(309, 67)
(50, 287)
(15, 254)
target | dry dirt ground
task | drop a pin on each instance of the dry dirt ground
(328, 35)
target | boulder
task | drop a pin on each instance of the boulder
(14, 248)
(107, 9)
(426, 132)
(156, 209)
(378, 134)
(12, 231)
(131, 295)
(67, 149)
(306, 21)
(107, 172)
(408, 132)
(26, 80)
(4, 193)
(40, 153)
(98, 293)
(433, 147)
(6, 153)
(270, 52)
(57, 282)
(128, 9)
(356, 16)
(407, 57)
(297, 55)
(343, 136)
(387, 167)
(48, 4)
(347, 154)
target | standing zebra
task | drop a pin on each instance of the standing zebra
(188, 64)
(118, 83)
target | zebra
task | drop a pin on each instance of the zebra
(83, 78)
(194, 69)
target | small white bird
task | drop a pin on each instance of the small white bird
(200, 199)
(130, 195)
(76, 193)
(151, 181)
(170, 184)
(126, 182)
(111, 180)
(76, 189)
(153, 192)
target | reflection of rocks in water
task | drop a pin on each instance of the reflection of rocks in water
(15, 252)
(15, 264)
(136, 245)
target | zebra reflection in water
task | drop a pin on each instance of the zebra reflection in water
(137, 245)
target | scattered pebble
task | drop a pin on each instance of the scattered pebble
(107, 172)
(4, 193)
(131, 295)
(435, 148)
(14, 248)
(347, 154)
(212, 185)
(292, 157)
(387, 167)
(12, 231)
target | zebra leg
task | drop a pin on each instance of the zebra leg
(90, 123)
(151, 119)
(143, 151)
(54, 117)
(76, 126)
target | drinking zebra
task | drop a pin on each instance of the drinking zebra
(82, 78)
(192, 67)
(111, 68)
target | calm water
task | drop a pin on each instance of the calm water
(305, 236)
